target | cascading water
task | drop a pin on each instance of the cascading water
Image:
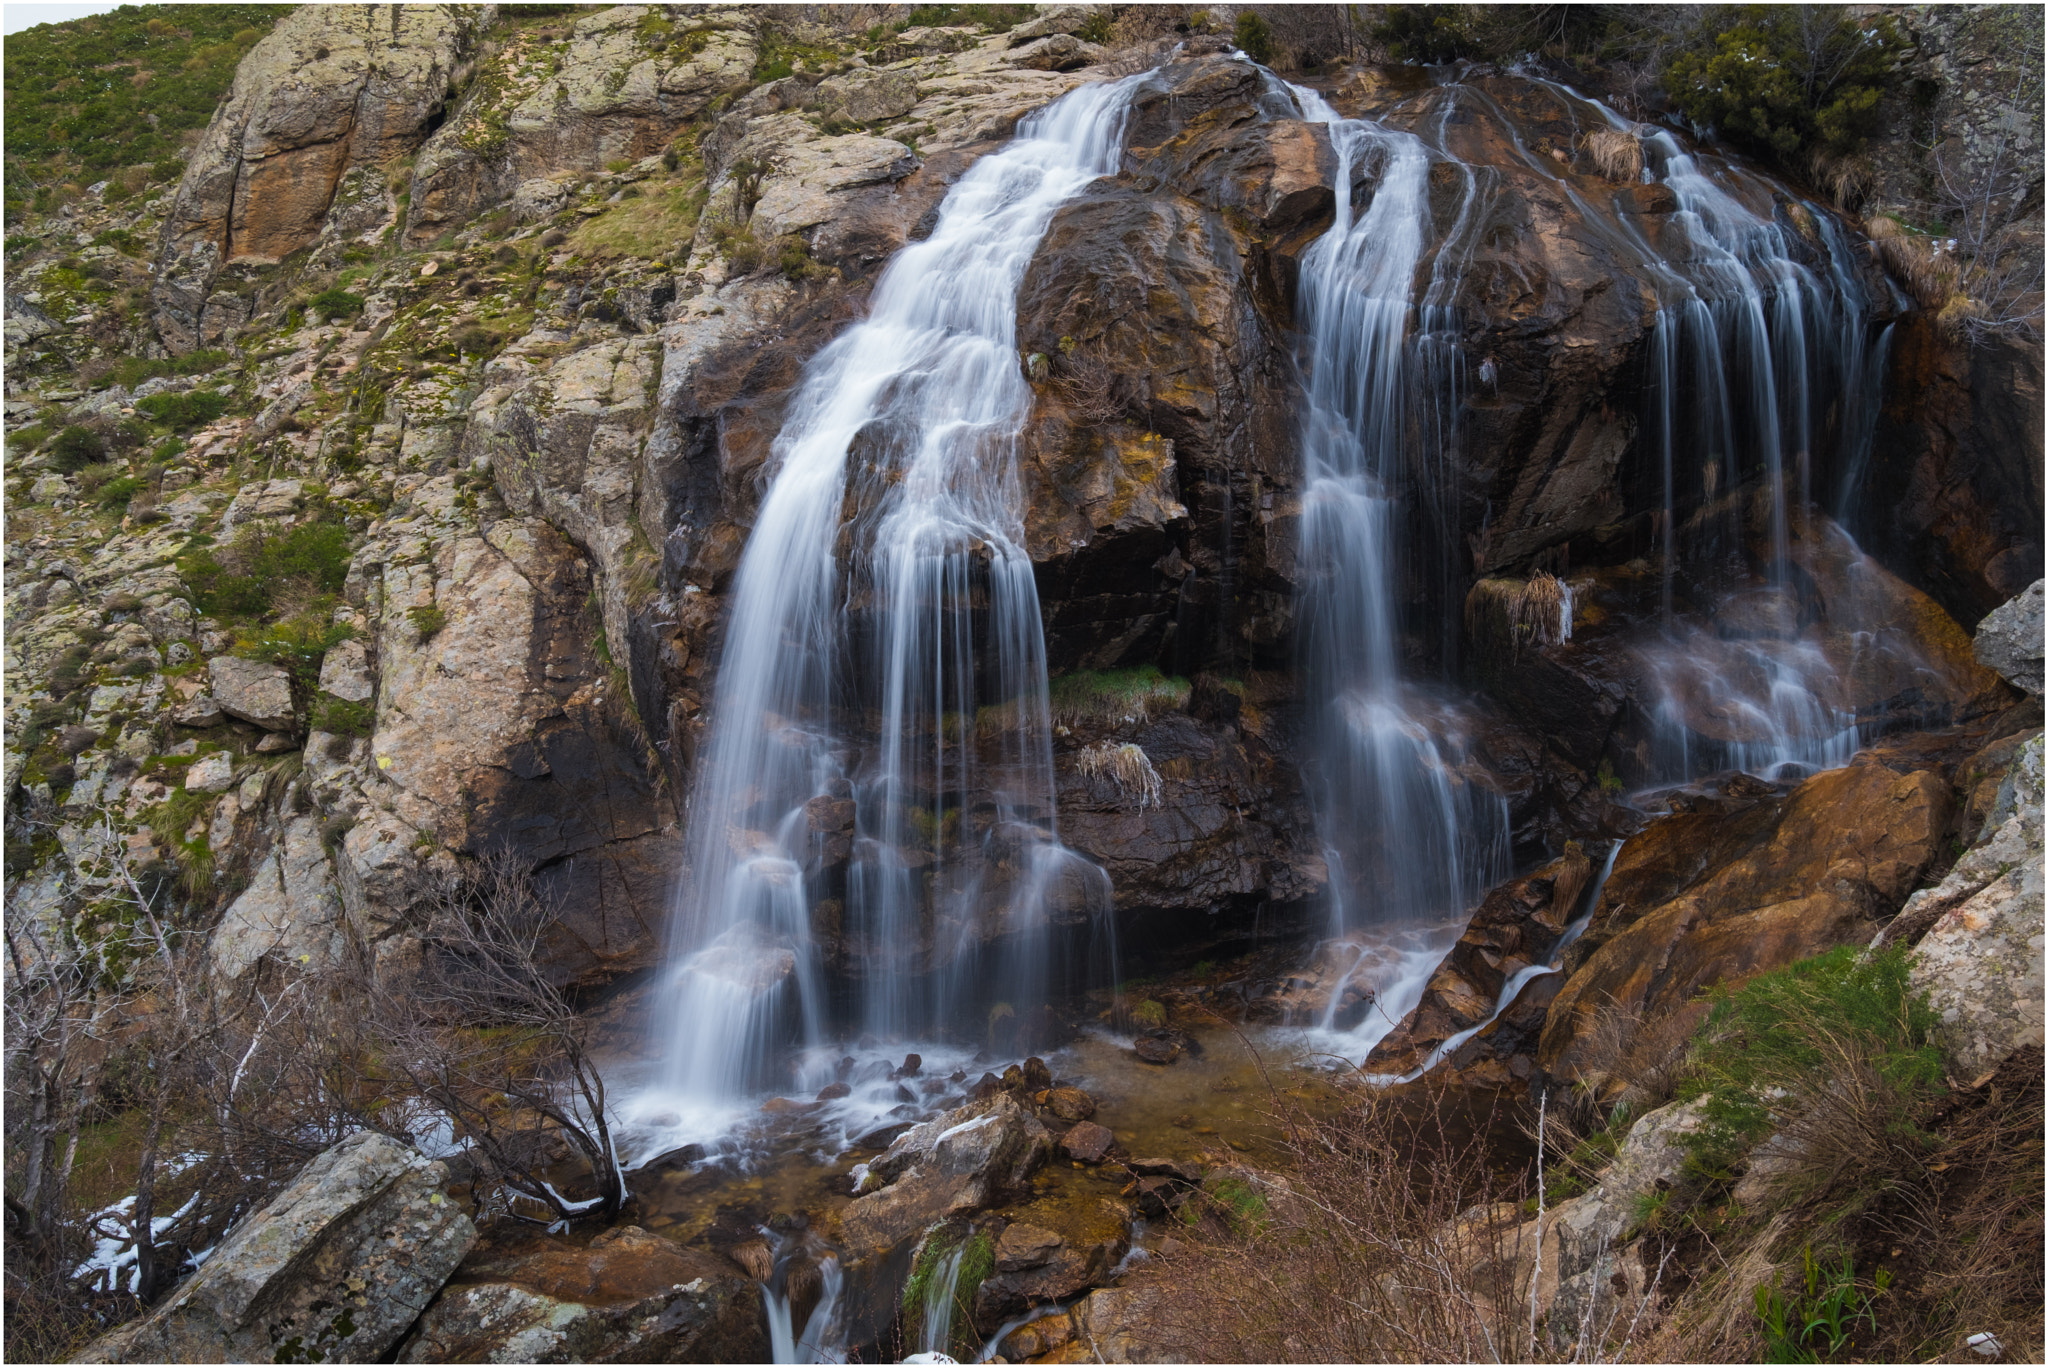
(1411, 843)
(922, 401)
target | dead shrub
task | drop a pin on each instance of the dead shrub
(1616, 154)
(1089, 384)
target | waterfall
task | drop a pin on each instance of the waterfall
(857, 674)
(1410, 842)
(935, 1316)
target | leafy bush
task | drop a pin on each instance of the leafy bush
(242, 580)
(1254, 36)
(186, 410)
(77, 447)
(335, 302)
(1789, 78)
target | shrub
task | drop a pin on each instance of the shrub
(298, 644)
(116, 493)
(1789, 78)
(426, 621)
(1254, 36)
(77, 447)
(187, 410)
(335, 302)
(343, 718)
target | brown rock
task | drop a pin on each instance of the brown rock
(1793, 877)
(1068, 1104)
(1088, 1142)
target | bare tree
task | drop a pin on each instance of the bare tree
(484, 1036)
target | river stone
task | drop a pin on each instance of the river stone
(2009, 640)
(253, 691)
(332, 1270)
(629, 1297)
(1088, 1142)
(213, 773)
(1026, 1246)
(1068, 1104)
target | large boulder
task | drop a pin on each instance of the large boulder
(2009, 640)
(254, 691)
(626, 1297)
(1704, 898)
(331, 89)
(332, 1270)
(954, 1165)
(291, 909)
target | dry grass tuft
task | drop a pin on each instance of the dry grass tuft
(1616, 154)
(1504, 616)
(1126, 766)
(1915, 260)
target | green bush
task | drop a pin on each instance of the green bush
(987, 18)
(131, 371)
(1254, 37)
(335, 302)
(77, 447)
(1779, 1032)
(117, 492)
(1820, 1321)
(1789, 78)
(187, 410)
(298, 644)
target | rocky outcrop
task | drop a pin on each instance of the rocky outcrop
(626, 1297)
(332, 1270)
(253, 691)
(328, 91)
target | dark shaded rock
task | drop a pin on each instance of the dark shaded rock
(1087, 1142)
(1068, 1104)
(1160, 1045)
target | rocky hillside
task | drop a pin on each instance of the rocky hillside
(376, 489)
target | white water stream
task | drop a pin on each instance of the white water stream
(908, 420)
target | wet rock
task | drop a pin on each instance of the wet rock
(912, 1066)
(1068, 1104)
(253, 691)
(1704, 898)
(1037, 1075)
(1055, 1247)
(831, 1092)
(1087, 1142)
(2009, 640)
(629, 1297)
(1161, 1044)
(334, 1268)
(1026, 1246)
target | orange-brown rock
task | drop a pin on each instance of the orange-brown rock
(1721, 897)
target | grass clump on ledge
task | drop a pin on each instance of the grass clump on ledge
(1127, 767)
(1115, 696)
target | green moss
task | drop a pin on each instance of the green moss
(340, 717)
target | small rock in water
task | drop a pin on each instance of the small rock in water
(1013, 1079)
(1037, 1077)
(881, 1137)
(1088, 1142)
(785, 1104)
(903, 1094)
(911, 1065)
(845, 1068)
(1160, 1045)
(834, 1090)
(677, 1158)
(957, 1076)
(664, 1119)
(987, 1086)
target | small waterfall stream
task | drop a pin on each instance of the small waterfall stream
(928, 624)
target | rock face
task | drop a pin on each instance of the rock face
(332, 1270)
(1980, 961)
(628, 1297)
(628, 80)
(2009, 640)
(326, 92)
(1747, 886)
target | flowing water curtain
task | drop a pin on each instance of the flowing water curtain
(925, 396)
(1406, 834)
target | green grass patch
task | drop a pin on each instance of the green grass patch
(298, 644)
(188, 409)
(1115, 695)
(340, 717)
(1779, 1032)
(243, 579)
